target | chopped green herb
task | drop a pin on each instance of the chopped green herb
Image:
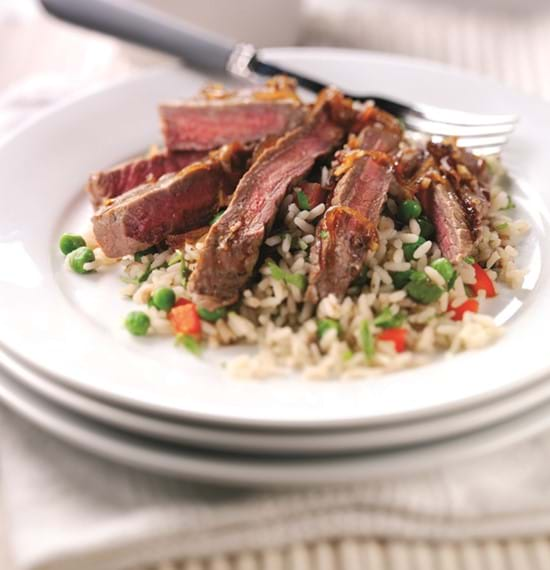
(445, 268)
(409, 209)
(70, 242)
(501, 227)
(427, 229)
(469, 260)
(387, 320)
(422, 290)
(401, 278)
(410, 248)
(145, 275)
(212, 316)
(324, 325)
(137, 323)
(190, 343)
(347, 355)
(510, 205)
(295, 279)
(367, 340)
(184, 272)
(216, 217)
(143, 253)
(175, 258)
(324, 234)
(303, 200)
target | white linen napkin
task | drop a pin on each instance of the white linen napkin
(67, 509)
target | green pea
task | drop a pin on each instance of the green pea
(324, 325)
(410, 248)
(445, 268)
(212, 316)
(137, 323)
(401, 278)
(427, 229)
(409, 209)
(422, 290)
(79, 257)
(70, 242)
(164, 299)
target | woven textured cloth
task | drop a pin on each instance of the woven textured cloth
(512, 46)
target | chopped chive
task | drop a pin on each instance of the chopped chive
(324, 325)
(296, 279)
(212, 316)
(510, 205)
(145, 275)
(175, 258)
(184, 272)
(303, 200)
(469, 260)
(387, 320)
(347, 355)
(190, 343)
(367, 340)
(144, 252)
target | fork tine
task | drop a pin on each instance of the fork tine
(448, 130)
(462, 118)
(487, 151)
(480, 142)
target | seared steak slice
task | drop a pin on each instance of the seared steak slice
(233, 243)
(108, 184)
(444, 208)
(219, 117)
(348, 227)
(176, 203)
(468, 177)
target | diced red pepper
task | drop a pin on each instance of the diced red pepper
(471, 305)
(185, 319)
(483, 282)
(314, 193)
(396, 335)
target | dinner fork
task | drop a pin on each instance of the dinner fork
(484, 134)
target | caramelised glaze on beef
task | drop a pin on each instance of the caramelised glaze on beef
(233, 243)
(174, 204)
(451, 185)
(349, 226)
(468, 177)
(110, 183)
(219, 117)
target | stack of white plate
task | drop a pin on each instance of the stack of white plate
(69, 366)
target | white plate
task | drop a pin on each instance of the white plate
(233, 469)
(304, 443)
(70, 326)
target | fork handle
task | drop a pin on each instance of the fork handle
(149, 27)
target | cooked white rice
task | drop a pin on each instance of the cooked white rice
(274, 315)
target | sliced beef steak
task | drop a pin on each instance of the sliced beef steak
(111, 183)
(444, 208)
(233, 243)
(176, 203)
(220, 117)
(349, 226)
